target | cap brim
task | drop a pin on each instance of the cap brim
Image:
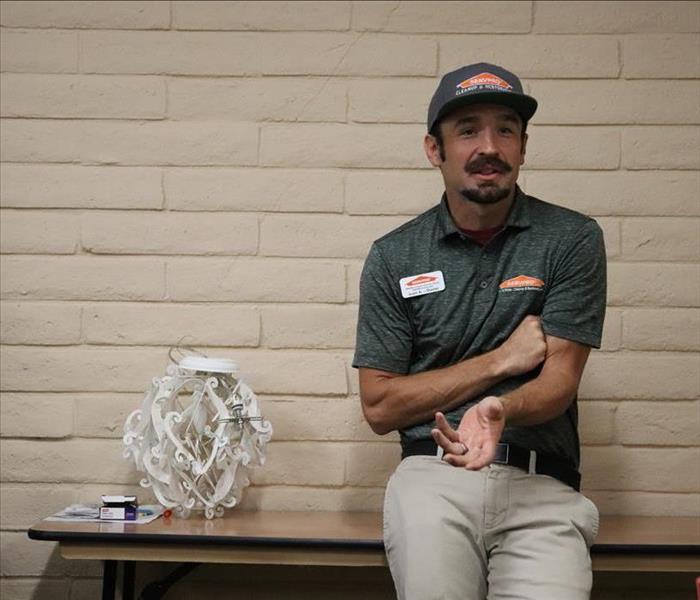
(524, 105)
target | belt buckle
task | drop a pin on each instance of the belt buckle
(502, 454)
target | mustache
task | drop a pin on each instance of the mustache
(482, 162)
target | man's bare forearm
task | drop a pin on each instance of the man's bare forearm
(396, 401)
(552, 391)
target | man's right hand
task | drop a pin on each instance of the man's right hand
(525, 348)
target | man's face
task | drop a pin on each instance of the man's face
(483, 149)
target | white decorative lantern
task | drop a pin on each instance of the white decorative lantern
(196, 434)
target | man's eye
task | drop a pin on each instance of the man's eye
(506, 130)
(467, 132)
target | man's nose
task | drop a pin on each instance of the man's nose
(487, 143)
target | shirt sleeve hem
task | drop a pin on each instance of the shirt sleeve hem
(582, 336)
(369, 363)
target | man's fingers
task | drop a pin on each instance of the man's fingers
(448, 446)
(444, 428)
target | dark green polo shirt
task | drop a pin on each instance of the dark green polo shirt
(547, 261)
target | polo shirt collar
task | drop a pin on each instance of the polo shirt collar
(518, 217)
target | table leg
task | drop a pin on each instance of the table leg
(109, 579)
(128, 580)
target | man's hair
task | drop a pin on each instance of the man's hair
(436, 132)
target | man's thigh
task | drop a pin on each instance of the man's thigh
(433, 513)
(541, 549)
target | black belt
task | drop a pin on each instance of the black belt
(515, 456)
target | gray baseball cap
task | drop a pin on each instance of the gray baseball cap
(480, 83)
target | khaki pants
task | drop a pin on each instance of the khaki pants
(499, 533)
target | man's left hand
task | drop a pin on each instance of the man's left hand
(473, 444)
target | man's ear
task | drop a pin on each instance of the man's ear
(432, 150)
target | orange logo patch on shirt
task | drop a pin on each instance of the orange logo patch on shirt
(485, 79)
(522, 282)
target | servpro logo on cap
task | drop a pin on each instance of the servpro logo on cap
(487, 81)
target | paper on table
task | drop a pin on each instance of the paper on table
(90, 514)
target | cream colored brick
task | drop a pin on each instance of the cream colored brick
(641, 469)
(287, 190)
(645, 503)
(616, 17)
(219, 53)
(372, 464)
(540, 56)
(390, 192)
(619, 192)
(322, 235)
(80, 369)
(110, 232)
(39, 51)
(82, 278)
(279, 372)
(596, 422)
(167, 143)
(104, 415)
(309, 326)
(641, 376)
(611, 235)
(658, 423)
(661, 56)
(24, 557)
(598, 102)
(38, 232)
(87, 589)
(166, 324)
(296, 372)
(661, 284)
(299, 419)
(96, 461)
(612, 330)
(29, 589)
(82, 96)
(255, 280)
(261, 99)
(23, 505)
(97, 15)
(661, 148)
(314, 418)
(312, 498)
(34, 140)
(297, 463)
(130, 142)
(661, 329)
(354, 271)
(44, 323)
(36, 415)
(446, 17)
(59, 186)
(669, 238)
(330, 145)
(395, 100)
(573, 148)
(275, 16)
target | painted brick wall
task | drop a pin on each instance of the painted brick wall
(219, 169)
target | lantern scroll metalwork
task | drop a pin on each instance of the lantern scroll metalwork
(197, 433)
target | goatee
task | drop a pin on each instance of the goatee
(485, 195)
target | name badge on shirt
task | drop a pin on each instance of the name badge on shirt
(425, 283)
